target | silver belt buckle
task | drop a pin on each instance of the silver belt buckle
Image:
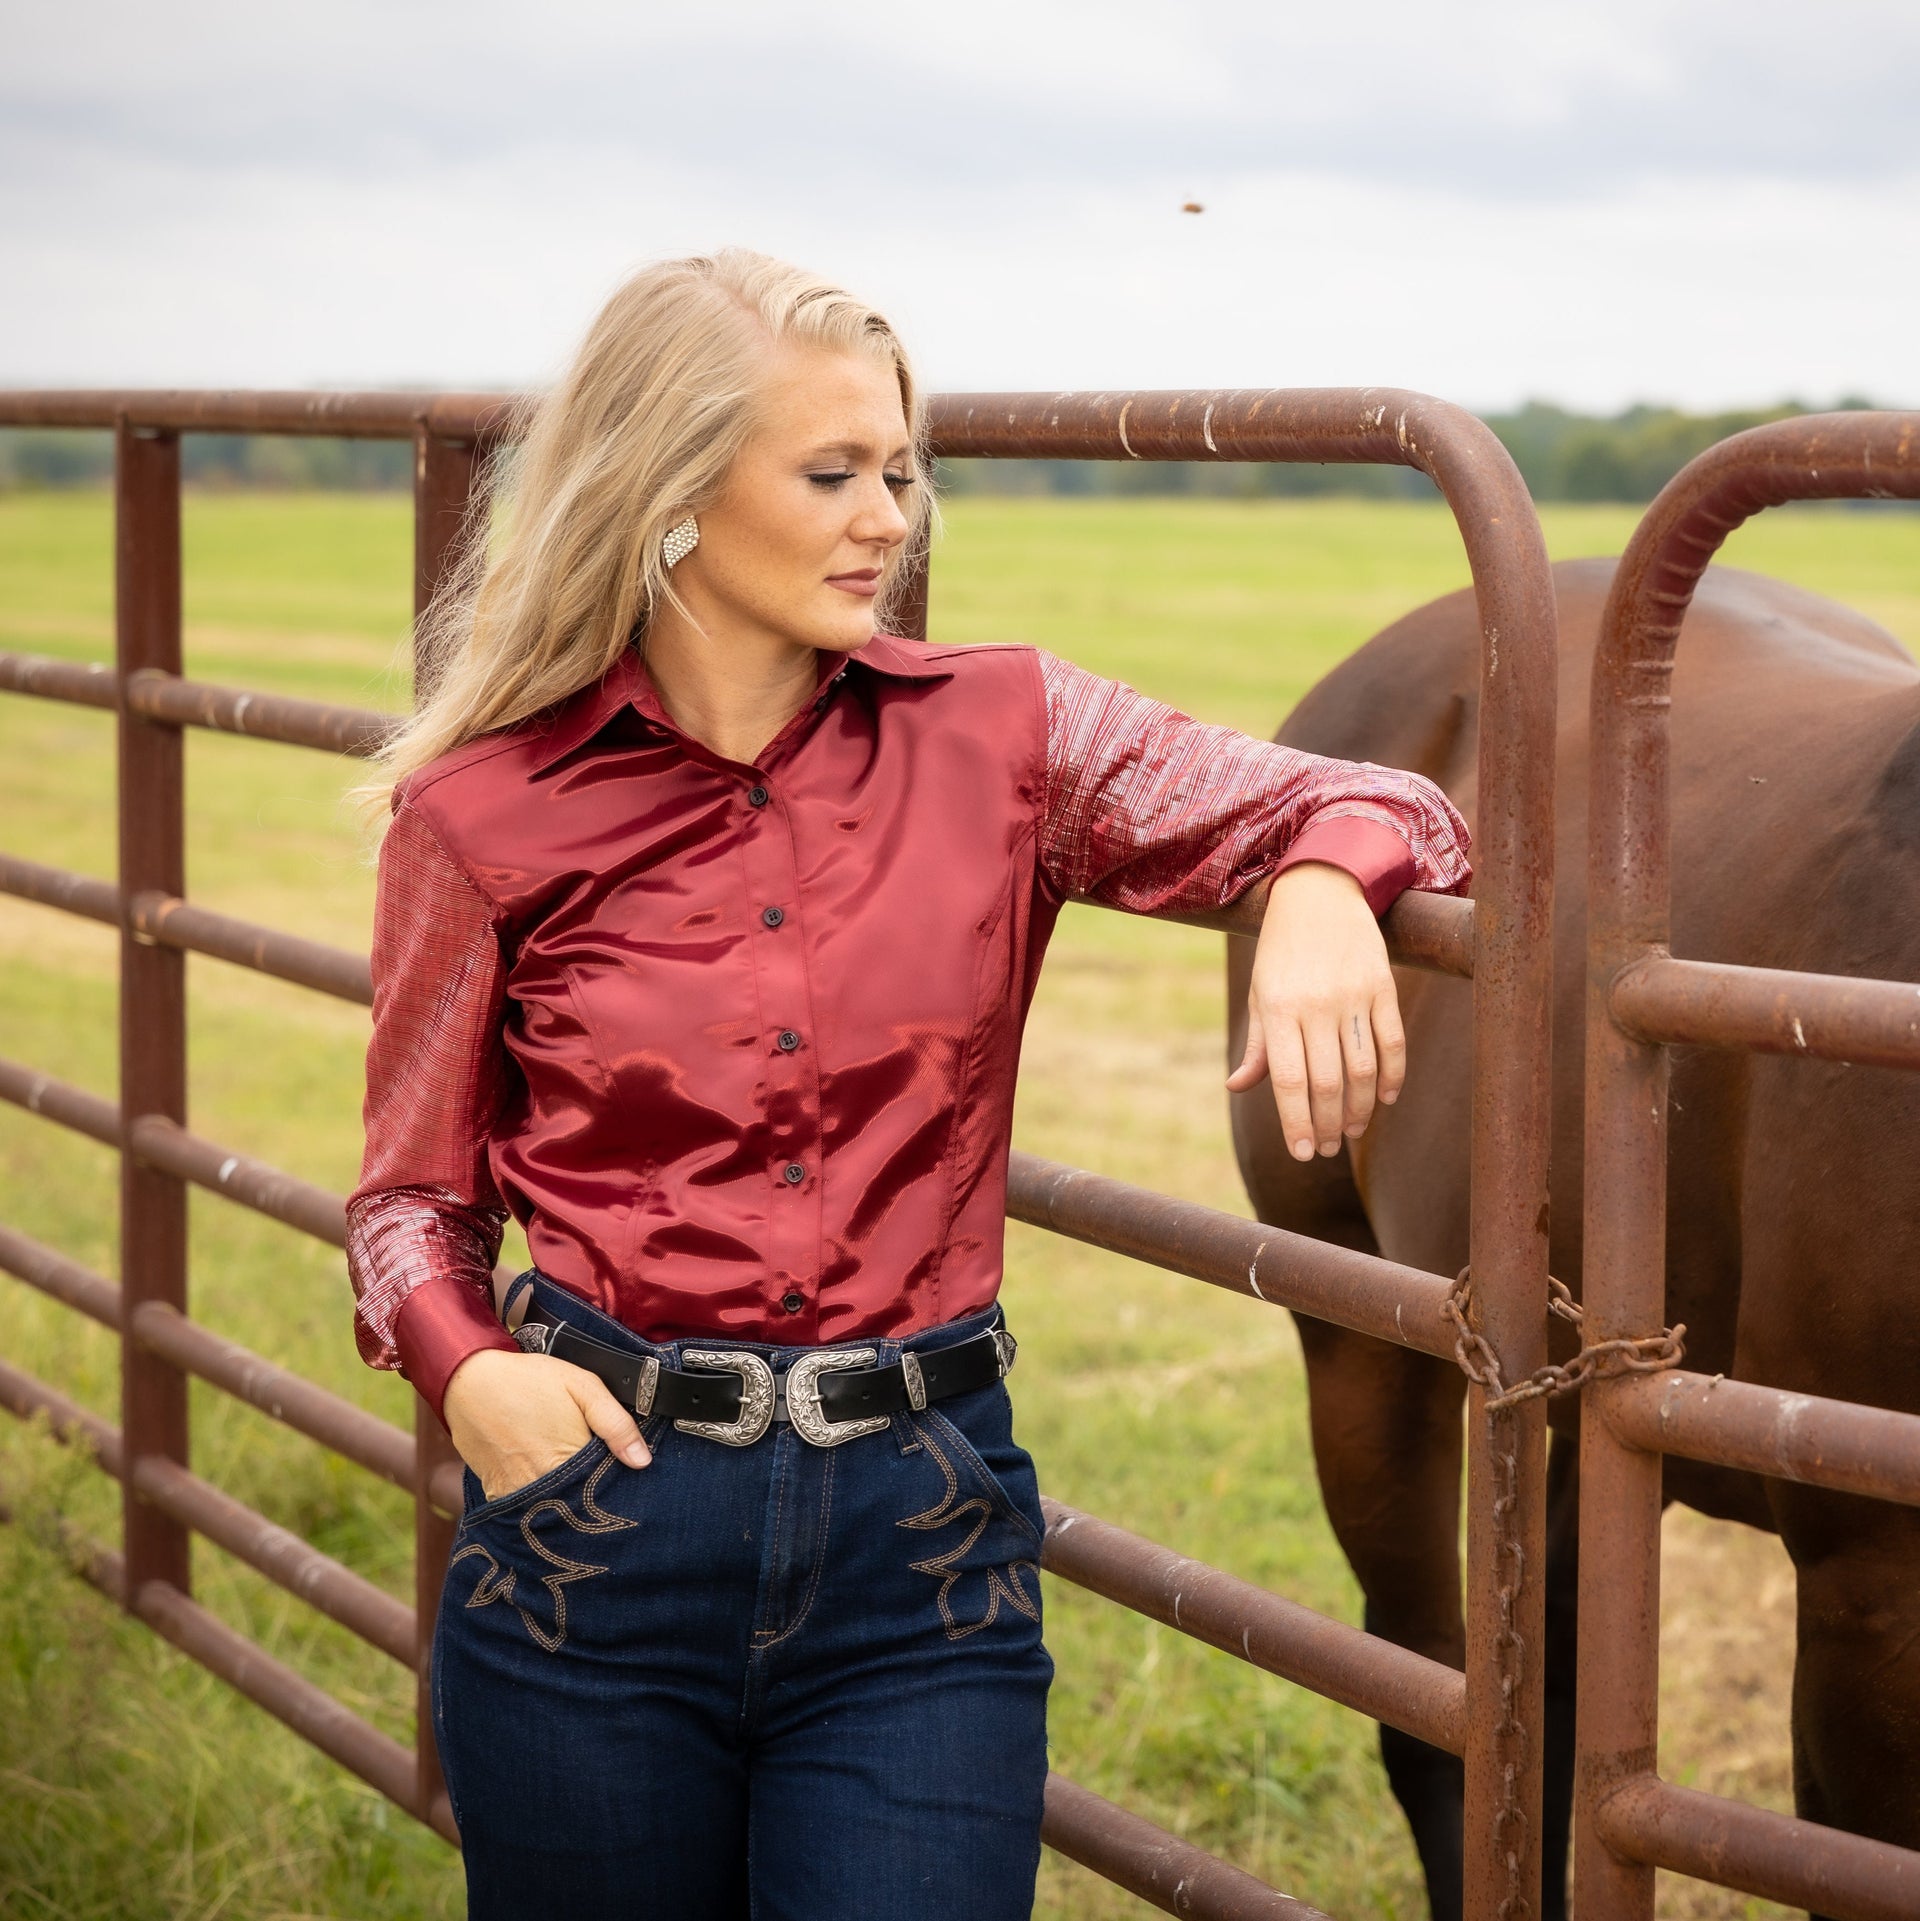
(803, 1397)
(756, 1395)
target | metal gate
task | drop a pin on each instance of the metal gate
(1491, 1715)
(1640, 1001)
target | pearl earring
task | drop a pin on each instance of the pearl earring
(680, 541)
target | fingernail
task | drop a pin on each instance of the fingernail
(1388, 1100)
(1356, 1130)
(636, 1455)
(1303, 1150)
(1329, 1147)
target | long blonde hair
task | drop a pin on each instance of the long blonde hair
(640, 431)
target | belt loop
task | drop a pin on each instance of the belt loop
(517, 1290)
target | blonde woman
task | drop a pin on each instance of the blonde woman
(708, 917)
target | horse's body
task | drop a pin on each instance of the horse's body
(1793, 1186)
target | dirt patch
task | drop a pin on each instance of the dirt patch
(1726, 1682)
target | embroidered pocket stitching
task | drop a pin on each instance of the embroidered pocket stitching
(996, 1489)
(502, 1508)
(497, 1584)
(941, 1567)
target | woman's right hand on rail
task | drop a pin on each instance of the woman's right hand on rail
(515, 1416)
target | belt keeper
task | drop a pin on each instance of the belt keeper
(916, 1381)
(649, 1382)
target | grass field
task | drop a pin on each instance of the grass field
(137, 1786)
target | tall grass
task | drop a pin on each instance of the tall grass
(135, 1785)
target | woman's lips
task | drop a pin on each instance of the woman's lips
(866, 585)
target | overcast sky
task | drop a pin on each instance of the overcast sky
(1702, 201)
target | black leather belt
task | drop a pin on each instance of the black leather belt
(731, 1395)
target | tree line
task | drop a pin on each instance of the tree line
(1563, 455)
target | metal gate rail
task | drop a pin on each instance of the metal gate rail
(1500, 941)
(1628, 1821)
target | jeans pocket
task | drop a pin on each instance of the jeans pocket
(1008, 1482)
(979, 1541)
(531, 1548)
(582, 1461)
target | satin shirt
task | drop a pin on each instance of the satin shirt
(737, 1044)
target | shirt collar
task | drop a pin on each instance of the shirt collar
(626, 683)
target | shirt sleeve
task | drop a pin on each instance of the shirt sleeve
(1151, 810)
(425, 1223)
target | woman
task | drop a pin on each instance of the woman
(707, 921)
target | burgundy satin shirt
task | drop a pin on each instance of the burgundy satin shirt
(736, 1044)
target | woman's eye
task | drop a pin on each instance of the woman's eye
(896, 481)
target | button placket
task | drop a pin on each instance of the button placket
(789, 1072)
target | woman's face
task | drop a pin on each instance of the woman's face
(812, 507)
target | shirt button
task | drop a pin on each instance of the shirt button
(793, 1303)
(773, 916)
(789, 1040)
(794, 1173)
(757, 796)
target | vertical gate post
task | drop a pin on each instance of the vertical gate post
(444, 475)
(1508, 1225)
(153, 1006)
(1618, 1684)
(1625, 1265)
(1629, 895)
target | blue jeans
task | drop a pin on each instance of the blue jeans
(780, 1681)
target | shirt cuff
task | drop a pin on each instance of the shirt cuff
(1369, 850)
(440, 1323)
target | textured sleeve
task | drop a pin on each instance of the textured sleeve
(1153, 811)
(424, 1224)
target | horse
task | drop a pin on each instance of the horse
(1793, 1185)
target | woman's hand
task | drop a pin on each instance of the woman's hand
(1323, 1020)
(514, 1416)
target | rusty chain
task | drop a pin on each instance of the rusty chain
(1646, 1354)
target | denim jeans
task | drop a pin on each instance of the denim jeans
(780, 1681)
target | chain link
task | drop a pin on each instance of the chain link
(1481, 1365)
(1647, 1354)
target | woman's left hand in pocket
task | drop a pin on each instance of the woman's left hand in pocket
(514, 1417)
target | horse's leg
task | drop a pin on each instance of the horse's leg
(1386, 1440)
(1856, 1681)
(1831, 1227)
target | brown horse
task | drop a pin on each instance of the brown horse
(1793, 1250)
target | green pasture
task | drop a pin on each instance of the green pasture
(134, 1784)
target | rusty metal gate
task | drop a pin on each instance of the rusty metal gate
(1640, 1001)
(1491, 1715)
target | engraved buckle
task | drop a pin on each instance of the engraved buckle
(756, 1395)
(531, 1337)
(1006, 1347)
(803, 1397)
